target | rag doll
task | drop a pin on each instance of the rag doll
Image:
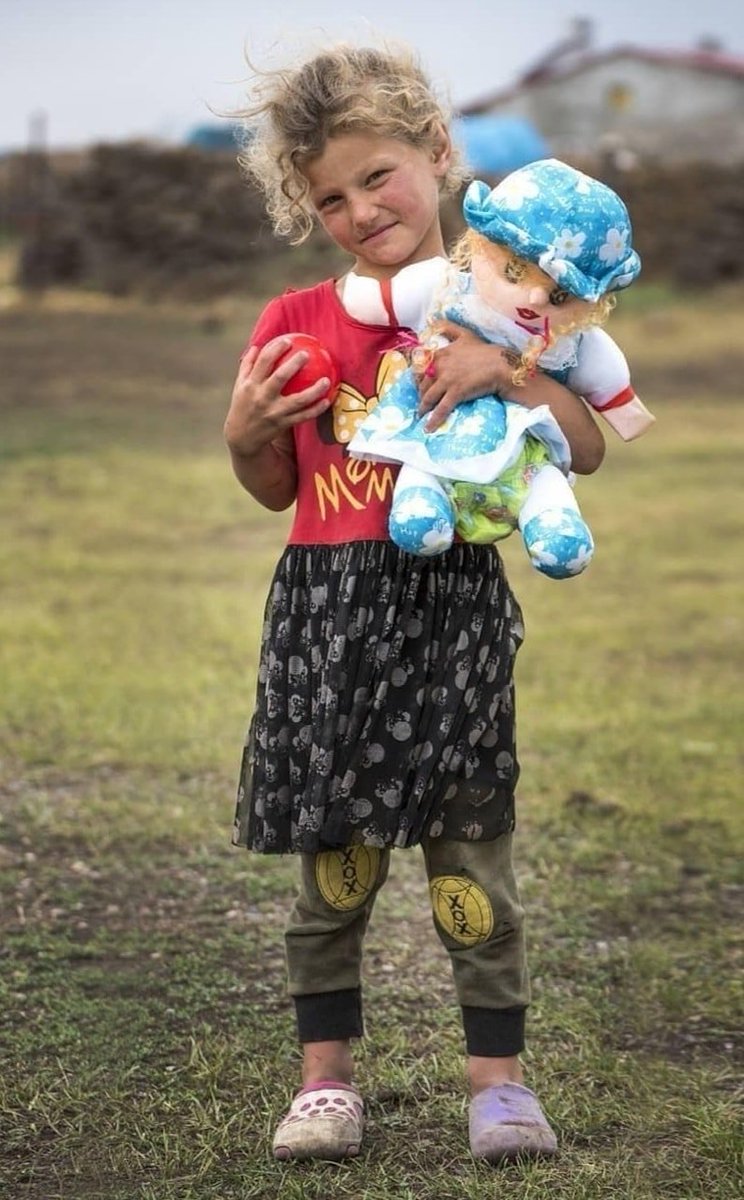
(545, 250)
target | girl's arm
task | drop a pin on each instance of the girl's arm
(470, 367)
(258, 426)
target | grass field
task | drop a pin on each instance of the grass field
(147, 1047)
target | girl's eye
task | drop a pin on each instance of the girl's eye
(376, 176)
(558, 297)
(327, 201)
(515, 270)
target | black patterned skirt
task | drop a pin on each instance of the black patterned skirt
(385, 701)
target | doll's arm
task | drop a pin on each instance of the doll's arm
(602, 377)
(405, 300)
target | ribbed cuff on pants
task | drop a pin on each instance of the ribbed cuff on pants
(329, 1016)
(494, 1032)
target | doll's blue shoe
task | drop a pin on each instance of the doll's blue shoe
(559, 543)
(422, 523)
(422, 517)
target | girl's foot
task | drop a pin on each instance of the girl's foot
(326, 1060)
(506, 1121)
(325, 1120)
(492, 1072)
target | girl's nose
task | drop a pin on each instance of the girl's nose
(363, 211)
(537, 297)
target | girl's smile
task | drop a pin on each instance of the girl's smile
(378, 199)
(377, 233)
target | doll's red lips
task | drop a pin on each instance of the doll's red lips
(528, 314)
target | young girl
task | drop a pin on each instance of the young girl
(385, 712)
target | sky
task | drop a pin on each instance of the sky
(110, 70)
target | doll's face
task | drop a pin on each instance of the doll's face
(521, 291)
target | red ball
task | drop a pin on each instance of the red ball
(320, 363)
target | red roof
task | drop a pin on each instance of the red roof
(700, 60)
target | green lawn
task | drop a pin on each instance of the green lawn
(147, 1047)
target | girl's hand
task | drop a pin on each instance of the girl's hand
(259, 414)
(467, 367)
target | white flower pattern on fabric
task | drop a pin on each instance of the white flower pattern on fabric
(530, 212)
(472, 426)
(569, 243)
(576, 565)
(389, 420)
(514, 190)
(434, 540)
(552, 520)
(416, 506)
(614, 247)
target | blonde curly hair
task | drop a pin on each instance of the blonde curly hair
(345, 89)
(594, 312)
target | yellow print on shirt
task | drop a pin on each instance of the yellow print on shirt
(349, 410)
(335, 487)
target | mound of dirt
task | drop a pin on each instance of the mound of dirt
(138, 218)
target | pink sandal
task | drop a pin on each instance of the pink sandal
(325, 1120)
(506, 1121)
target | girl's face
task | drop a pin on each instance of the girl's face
(521, 291)
(378, 198)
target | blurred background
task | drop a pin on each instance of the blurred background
(116, 173)
(146, 1048)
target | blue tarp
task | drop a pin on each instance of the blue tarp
(494, 145)
(215, 137)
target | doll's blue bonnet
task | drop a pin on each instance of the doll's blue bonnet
(574, 228)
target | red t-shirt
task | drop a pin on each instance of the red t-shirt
(339, 499)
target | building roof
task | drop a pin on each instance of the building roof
(709, 61)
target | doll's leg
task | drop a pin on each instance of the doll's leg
(555, 534)
(422, 517)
